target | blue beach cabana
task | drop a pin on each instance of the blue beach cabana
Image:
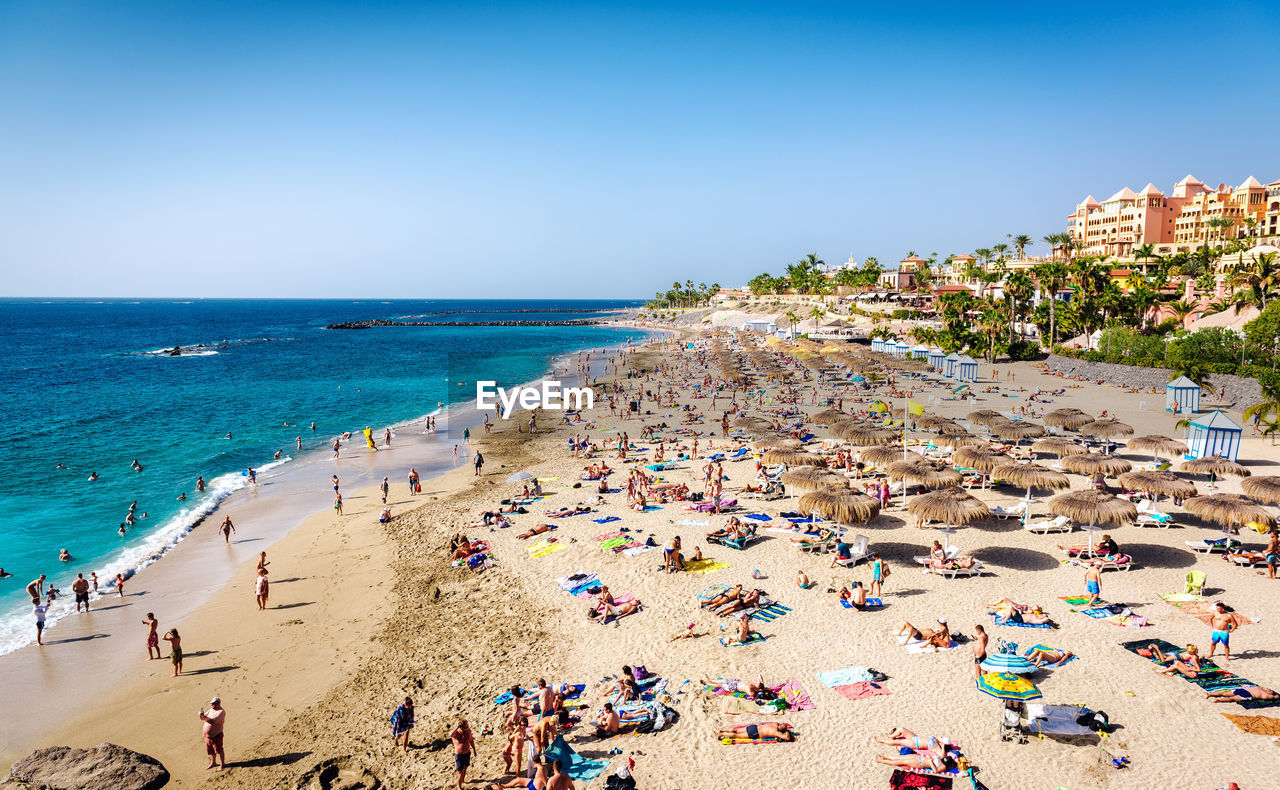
(920, 351)
(1182, 395)
(877, 345)
(1213, 434)
(900, 349)
(967, 368)
(935, 358)
(949, 363)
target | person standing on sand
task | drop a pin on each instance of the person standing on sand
(227, 529)
(464, 744)
(261, 589)
(402, 723)
(1093, 583)
(215, 719)
(262, 560)
(40, 611)
(81, 589)
(337, 504)
(386, 489)
(175, 650)
(93, 577)
(120, 584)
(153, 636)
(1222, 623)
(478, 461)
(455, 455)
(979, 650)
(413, 481)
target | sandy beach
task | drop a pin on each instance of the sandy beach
(377, 613)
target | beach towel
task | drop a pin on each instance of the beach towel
(634, 550)
(692, 522)
(845, 677)
(711, 591)
(544, 547)
(608, 535)
(872, 603)
(920, 646)
(704, 566)
(1257, 725)
(794, 695)
(903, 779)
(998, 620)
(759, 517)
(740, 741)
(606, 519)
(1080, 600)
(751, 640)
(576, 580)
(768, 613)
(861, 690)
(579, 768)
(1202, 610)
(619, 541)
(1210, 678)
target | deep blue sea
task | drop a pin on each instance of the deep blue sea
(85, 384)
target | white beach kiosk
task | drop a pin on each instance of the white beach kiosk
(949, 363)
(1213, 434)
(967, 368)
(935, 358)
(1182, 396)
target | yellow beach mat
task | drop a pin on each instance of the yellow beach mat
(544, 547)
(704, 566)
(1257, 725)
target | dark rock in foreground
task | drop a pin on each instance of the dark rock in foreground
(104, 766)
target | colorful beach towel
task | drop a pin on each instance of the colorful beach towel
(751, 640)
(998, 620)
(1080, 600)
(920, 646)
(861, 690)
(711, 591)
(795, 695)
(872, 603)
(606, 519)
(1201, 609)
(906, 780)
(1257, 725)
(704, 566)
(579, 768)
(1030, 650)
(769, 612)
(544, 547)
(759, 517)
(845, 677)
(1211, 677)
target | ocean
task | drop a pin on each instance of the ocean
(88, 385)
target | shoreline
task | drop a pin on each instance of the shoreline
(92, 672)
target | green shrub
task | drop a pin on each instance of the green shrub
(1024, 350)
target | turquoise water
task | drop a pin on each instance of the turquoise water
(85, 385)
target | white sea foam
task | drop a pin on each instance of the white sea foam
(18, 629)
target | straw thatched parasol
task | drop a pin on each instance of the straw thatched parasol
(958, 440)
(792, 458)
(1158, 446)
(1215, 465)
(776, 443)
(1012, 430)
(880, 455)
(1059, 445)
(1096, 464)
(746, 421)
(842, 506)
(986, 417)
(1031, 476)
(984, 459)
(1105, 429)
(1067, 418)
(1230, 511)
(930, 421)
(1158, 483)
(922, 473)
(950, 506)
(1263, 489)
(865, 436)
(812, 478)
(1092, 507)
(828, 416)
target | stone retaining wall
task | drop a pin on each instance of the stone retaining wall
(1240, 392)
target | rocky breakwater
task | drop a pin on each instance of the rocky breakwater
(384, 322)
(1235, 391)
(105, 765)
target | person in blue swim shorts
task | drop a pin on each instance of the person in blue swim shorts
(1223, 623)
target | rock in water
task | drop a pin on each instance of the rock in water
(104, 766)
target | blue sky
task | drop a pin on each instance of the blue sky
(381, 149)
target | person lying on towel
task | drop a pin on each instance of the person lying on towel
(778, 730)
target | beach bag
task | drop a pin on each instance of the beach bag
(640, 672)
(1094, 720)
(884, 570)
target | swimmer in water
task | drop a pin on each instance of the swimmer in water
(313, 425)
(298, 440)
(64, 556)
(200, 483)
(121, 530)
(137, 467)
(60, 466)
(4, 575)
(278, 454)
(93, 477)
(228, 434)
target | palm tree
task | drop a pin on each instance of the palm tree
(794, 319)
(1257, 282)
(1183, 309)
(1019, 288)
(1269, 407)
(816, 314)
(1144, 252)
(1000, 249)
(992, 320)
(1051, 276)
(1020, 243)
(1218, 225)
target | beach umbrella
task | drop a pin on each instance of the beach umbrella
(828, 416)
(950, 506)
(865, 436)
(1158, 483)
(1016, 430)
(1058, 445)
(986, 417)
(1230, 511)
(1067, 417)
(1031, 476)
(931, 421)
(1008, 662)
(792, 458)
(811, 478)
(776, 443)
(840, 505)
(1096, 464)
(958, 440)
(755, 423)
(1008, 686)
(880, 456)
(1158, 446)
(1215, 465)
(979, 457)
(917, 471)
(1106, 429)
(1090, 508)
(518, 476)
(1263, 489)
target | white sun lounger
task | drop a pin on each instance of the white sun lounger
(859, 551)
(1207, 546)
(1059, 524)
(951, 573)
(1148, 515)
(1005, 513)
